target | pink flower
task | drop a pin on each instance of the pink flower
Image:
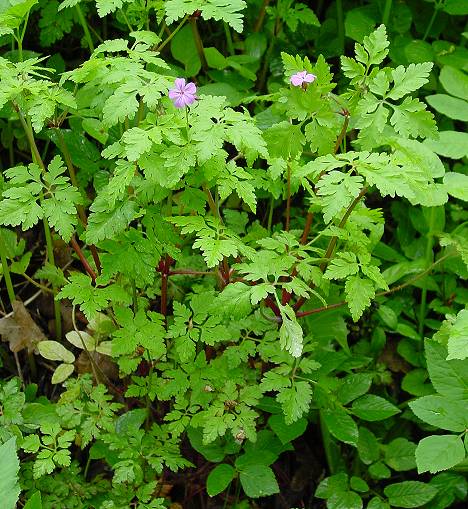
(183, 94)
(300, 79)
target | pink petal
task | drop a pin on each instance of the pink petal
(179, 83)
(174, 93)
(296, 80)
(190, 88)
(179, 102)
(189, 99)
(309, 78)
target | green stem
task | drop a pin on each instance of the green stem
(429, 26)
(269, 52)
(179, 26)
(229, 42)
(340, 23)
(198, 43)
(386, 13)
(326, 439)
(6, 271)
(428, 255)
(49, 244)
(86, 31)
(270, 214)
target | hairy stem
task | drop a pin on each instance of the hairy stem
(343, 131)
(85, 27)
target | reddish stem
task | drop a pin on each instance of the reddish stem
(83, 259)
(307, 227)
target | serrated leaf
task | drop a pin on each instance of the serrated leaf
(341, 425)
(373, 408)
(359, 293)
(9, 467)
(258, 481)
(409, 494)
(439, 452)
(409, 79)
(219, 479)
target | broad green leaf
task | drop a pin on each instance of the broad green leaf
(373, 408)
(219, 479)
(458, 334)
(452, 144)
(449, 106)
(344, 499)
(329, 485)
(341, 425)
(34, 502)
(9, 467)
(368, 446)
(409, 494)
(456, 185)
(78, 338)
(454, 81)
(55, 351)
(287, 432)
(258, 481)
(449, 377)
(439, 452)
(441, 412)
(399, 454)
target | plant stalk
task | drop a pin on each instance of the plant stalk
(6, 271)
(428, 255)
(84, 25)
(198, 43)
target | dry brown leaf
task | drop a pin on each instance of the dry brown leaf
(20, 330)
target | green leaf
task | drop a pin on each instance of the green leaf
(258, 481)
(452, 144)
(458, 334)
(456, 185)
(449, 106)
(341, 425)
(409, 494)
(333, 484)
(295, 401)
(409, 79)
(359, 293)
(230, 12)
(9, 467)
(291, 335)
(219, 479)
(62, 372)
(368, 446)
(441, 412)
(34, 502)
(284, 140)
(287, 432)
(55, 351)
(449, 377)
(439, 452)
(344, 265)
(373, 408)
(454, 81)
(344, 500)
(399, 454)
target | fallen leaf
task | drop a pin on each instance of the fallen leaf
(20, 330)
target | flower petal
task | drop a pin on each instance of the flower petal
(179, 102)
(310, 78)
(179, 83)
(296, 80)
(174, 93)
(190, 88)
(189, 98)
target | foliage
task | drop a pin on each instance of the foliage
(229, 281)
